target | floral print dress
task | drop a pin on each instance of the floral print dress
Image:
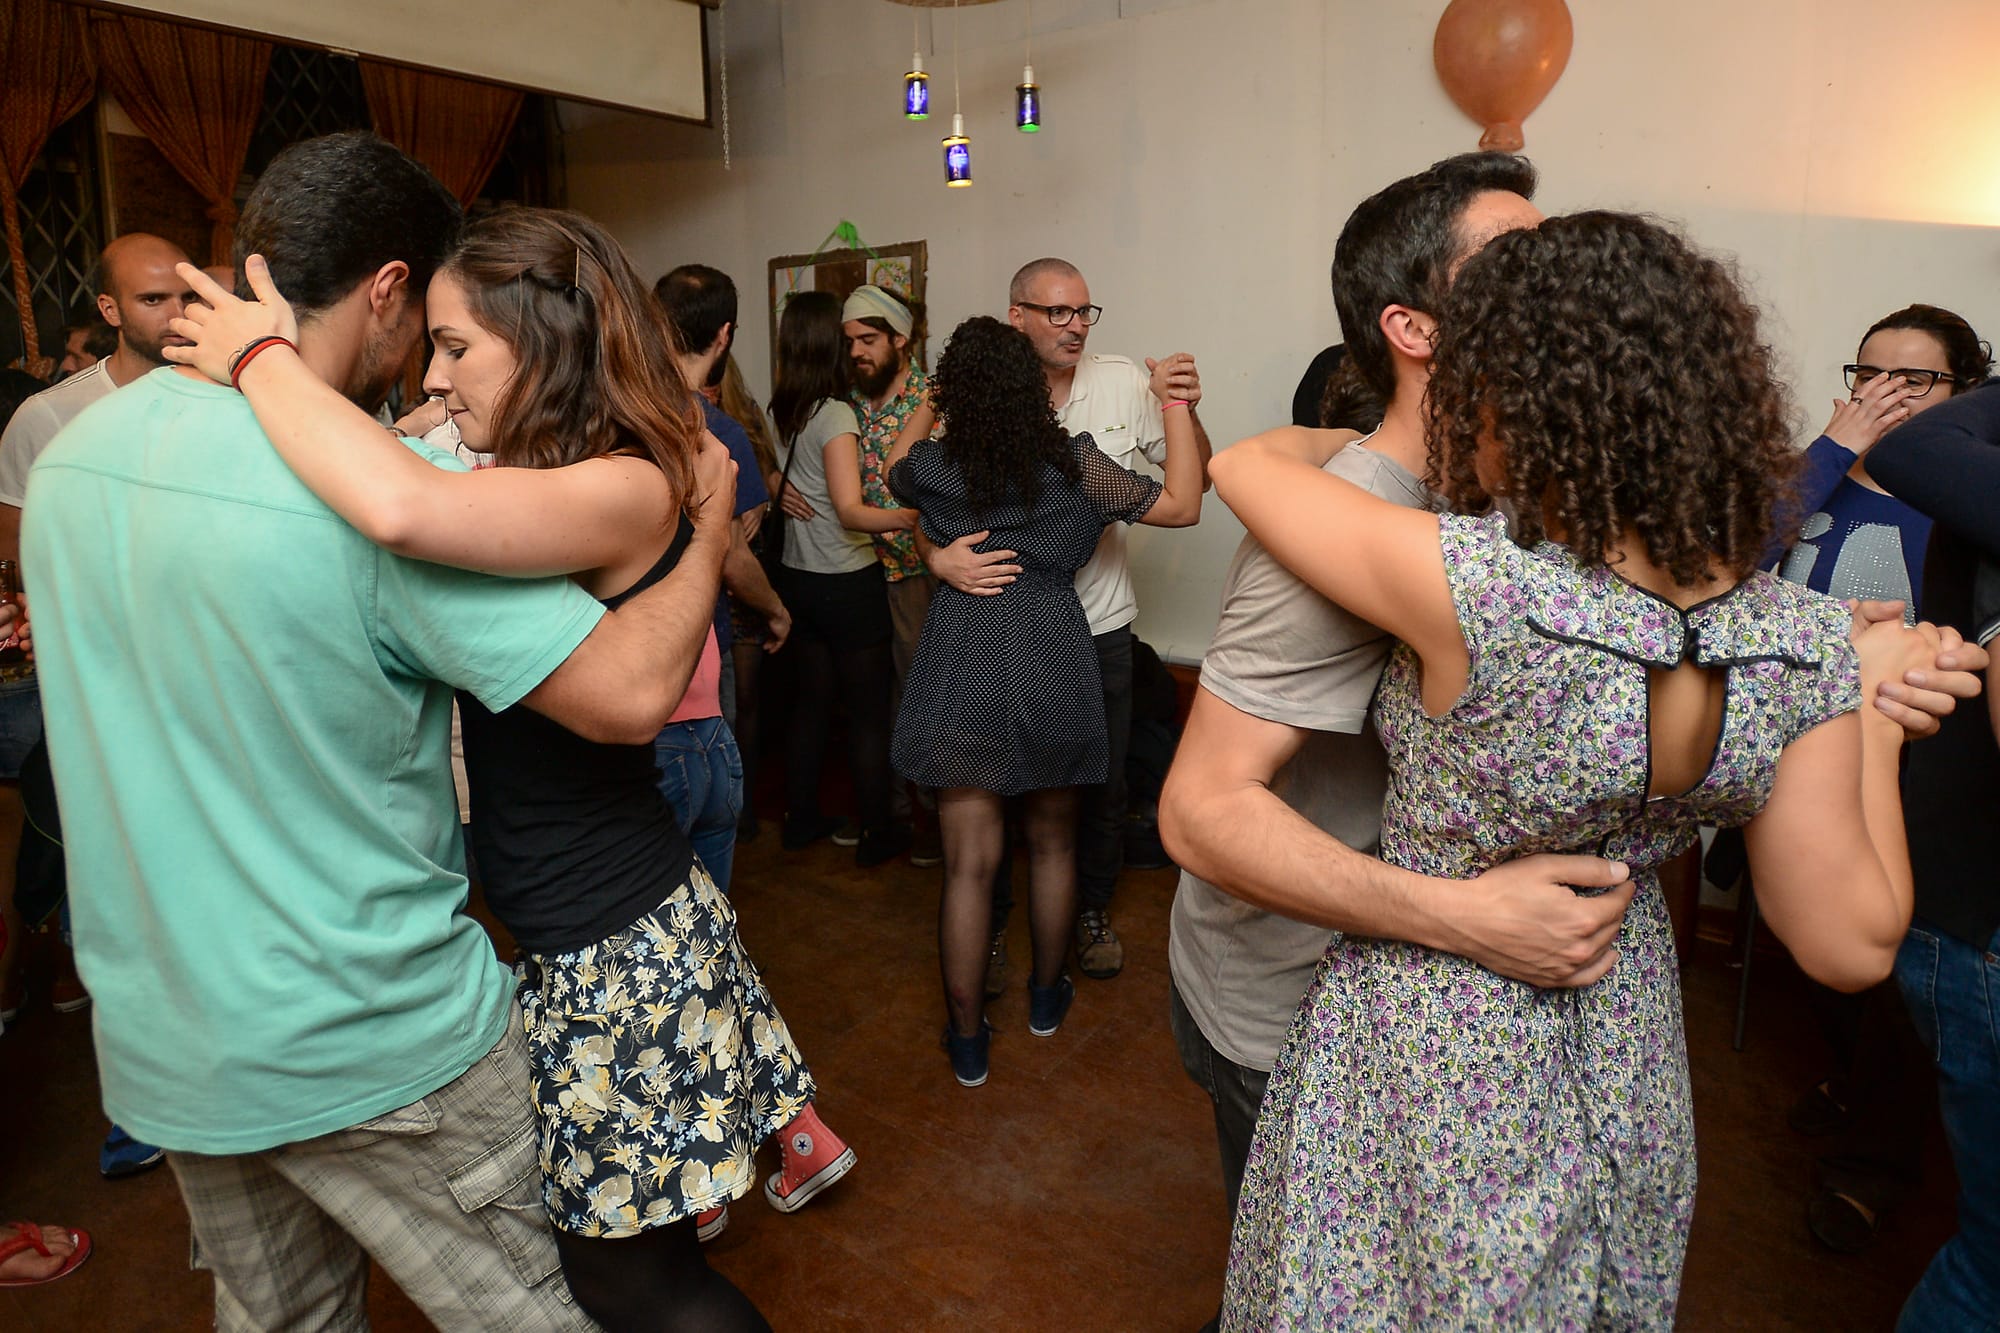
(1440, 1147)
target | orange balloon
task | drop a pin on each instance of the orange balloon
(1499, 58)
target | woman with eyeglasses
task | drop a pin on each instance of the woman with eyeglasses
(1857, 540)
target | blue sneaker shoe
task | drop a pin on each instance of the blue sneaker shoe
(1048, 1004)
(122, 1155)
(968, 1054)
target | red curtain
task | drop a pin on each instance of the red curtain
(45, 78)
(456, 127)
(196, 94)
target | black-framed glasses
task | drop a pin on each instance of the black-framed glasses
(1921, 382)
(1060, 315)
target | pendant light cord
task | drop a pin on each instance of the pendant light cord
(722, 44)
(956, 108)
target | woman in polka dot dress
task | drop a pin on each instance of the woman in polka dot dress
(1003, 697)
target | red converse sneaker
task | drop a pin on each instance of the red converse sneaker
(709, 1225)
(815, 1157)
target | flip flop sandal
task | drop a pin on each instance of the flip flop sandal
(1841, 1222)
(28, 1236)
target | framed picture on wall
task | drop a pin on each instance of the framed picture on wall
(899, 268)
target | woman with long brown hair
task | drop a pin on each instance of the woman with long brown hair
(660, 1061)
(833, 584)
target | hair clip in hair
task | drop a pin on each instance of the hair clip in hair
(576, 273)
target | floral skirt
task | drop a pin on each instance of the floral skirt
(660, 1064)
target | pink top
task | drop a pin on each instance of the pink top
(704, 691)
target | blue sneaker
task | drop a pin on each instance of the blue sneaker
(968, 1054)
(122, 1155)
(1048, 1004)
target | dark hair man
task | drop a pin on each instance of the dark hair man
(251, 708)
(700, 305)
(889, 389)
(1276, 791)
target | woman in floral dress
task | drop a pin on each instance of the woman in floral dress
(1443, 1148)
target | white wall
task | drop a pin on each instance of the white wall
(1199, 157)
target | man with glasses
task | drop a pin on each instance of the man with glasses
(1113, 400)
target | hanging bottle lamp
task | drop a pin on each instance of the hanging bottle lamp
(957, 155)
(1027, 97)
(957, 147)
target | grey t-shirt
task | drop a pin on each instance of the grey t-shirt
(821, 545)
(1285, 654)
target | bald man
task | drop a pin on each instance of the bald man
(138, 294)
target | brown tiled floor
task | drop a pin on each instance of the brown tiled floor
(1077, 1189)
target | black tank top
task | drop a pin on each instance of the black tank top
(574, 840)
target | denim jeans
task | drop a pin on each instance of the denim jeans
(701, 775)
(1236, 1091)
(1953, 991)
(20, 723)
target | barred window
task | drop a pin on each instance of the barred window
(60, 230)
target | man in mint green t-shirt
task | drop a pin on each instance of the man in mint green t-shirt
(248, 712)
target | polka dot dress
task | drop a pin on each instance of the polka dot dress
(1003, 694)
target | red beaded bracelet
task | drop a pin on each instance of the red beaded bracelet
(250, 352)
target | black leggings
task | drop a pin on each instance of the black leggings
(654, 1282)
(840, 659)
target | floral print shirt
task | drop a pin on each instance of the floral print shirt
(896, 550)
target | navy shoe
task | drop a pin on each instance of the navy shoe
(968, 1054)
(1048, 1004)
(122, 1155)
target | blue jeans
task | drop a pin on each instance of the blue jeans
(701, 775)
(1953, 991)
(20, 723)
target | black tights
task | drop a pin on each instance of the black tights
(654, 1282)
(859, 678)
(974, 825)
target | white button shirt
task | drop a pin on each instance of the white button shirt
(1109, 399)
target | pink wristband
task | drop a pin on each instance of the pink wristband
(1178, 402)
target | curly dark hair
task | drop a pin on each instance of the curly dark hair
(1625, 380)
(999, 426)
(1349, 401)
